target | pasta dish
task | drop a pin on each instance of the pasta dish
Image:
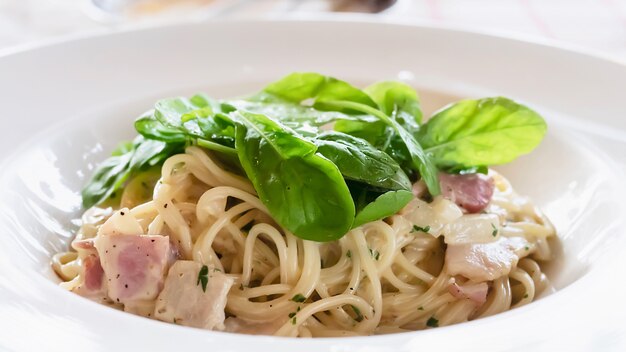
(313, 209)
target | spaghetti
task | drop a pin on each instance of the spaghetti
(392, 275)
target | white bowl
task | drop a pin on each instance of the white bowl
(65, 106)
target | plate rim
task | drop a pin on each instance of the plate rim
(87, 36)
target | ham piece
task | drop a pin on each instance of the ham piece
(472, 192)
(92, 285)
(477, 293)
(134, 264)
(185, 301)
(485, 261)
(94, 274)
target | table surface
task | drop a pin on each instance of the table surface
(599, 25)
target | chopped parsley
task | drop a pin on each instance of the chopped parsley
(420, 308)
(526, 248)
(421, 229)
(293, 320)
(292, 314)
(494, 233)
(349, 254)
(357, 311)
(375, 254)
(432, 322)
(298, 298)
(526, 295)
(203, 277)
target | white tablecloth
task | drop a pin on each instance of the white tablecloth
(596, 24)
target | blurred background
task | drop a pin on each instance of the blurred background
(599, 25)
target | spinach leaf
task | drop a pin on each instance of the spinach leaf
(217, 128)
(148, 153)
(174, 112)
(316, 183)
(126, 161)
(327, 93)
(381, 136)
(122, 148)
(303, 191)
(407, 146)
(293, 114)
(488, 131)
(108, 177)
(151, 128)
(299, 87)
(360, 161)
(464, 170)
(371, 206)
(197, 116)
(376, 133)
(197, 120)
(399, 101)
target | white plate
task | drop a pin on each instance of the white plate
(64, 106)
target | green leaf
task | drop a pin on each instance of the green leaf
(197, 116)
(203, 277)
(413, 153)
(191, 121)
(399, 101)
(425, 229)
(464, 170)
(409, 147)
(122, 148)
(148, 153)
(217, 128)
(151, 128)
(299, 87)
(488, 131)
(299, 298)
(174, 112)
(111, 175)
(304, 191)
(327, 93)
(383, 206)
(432, 322)
(291, 113)
(357, 312)
(358, 160)
(376, 133)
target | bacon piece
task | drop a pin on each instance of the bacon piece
(184, 301)
(134, 265)
(477, 293)
(94, 274)
(472, 192)
(92, 283)
(485, 261)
